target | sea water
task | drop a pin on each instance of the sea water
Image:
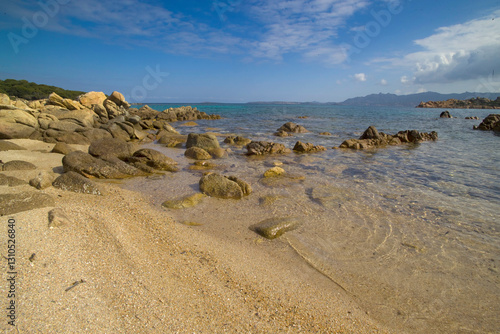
(411, 232)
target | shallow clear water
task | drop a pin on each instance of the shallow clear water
(411, 232)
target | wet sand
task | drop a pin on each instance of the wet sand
(138, 271)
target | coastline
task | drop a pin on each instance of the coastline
(144, 272)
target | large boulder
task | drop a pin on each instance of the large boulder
(205, 141)
(216, 185)
(153, 159)
(91, 98)
(83, 117)
(370, 133)
(119, 99)
(16, 123)
(4, 99)
(69, 104)
(89, 166)
(264, 147)
(112, 147)
(24, 201)
(72, 181)
(491, 122)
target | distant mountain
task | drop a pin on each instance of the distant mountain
(411, 100)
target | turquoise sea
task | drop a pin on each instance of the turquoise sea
(411, 232)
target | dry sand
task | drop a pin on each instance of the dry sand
(141, 272)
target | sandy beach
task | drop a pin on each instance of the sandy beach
(121, 265)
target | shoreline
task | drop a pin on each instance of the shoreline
(142, 271)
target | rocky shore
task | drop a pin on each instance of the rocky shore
(474, 103)
(60, 161)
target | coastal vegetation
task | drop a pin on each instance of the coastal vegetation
(32, 91)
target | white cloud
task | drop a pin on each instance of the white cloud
(404, 79)
(460, 52)
(383, 82)
(361, 77)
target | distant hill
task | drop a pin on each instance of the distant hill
(411, 100)
(32, 91)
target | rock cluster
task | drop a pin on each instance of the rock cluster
(474, 103)
(216, 185)
(92, 117)
(308, 147)
(264, 147)
(371, 138)
(491, 122)
(287, 129)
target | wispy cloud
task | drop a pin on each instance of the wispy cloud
(271, 30)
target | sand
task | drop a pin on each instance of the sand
(121, 265)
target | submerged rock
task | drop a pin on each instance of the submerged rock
(264, 147)
(185, 202)
(216, 185)
(197, 153)
(274, 172)
(275, 227)
(237, 140)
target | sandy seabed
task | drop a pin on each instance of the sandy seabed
(123, 266)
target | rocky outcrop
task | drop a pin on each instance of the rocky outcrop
(186, 113)
(89, 166)
(264, 147)
(216, 185)
(491, 122)
(301, 147)
(91, 98)
(474, 103)
(275, 227)
(371, 138)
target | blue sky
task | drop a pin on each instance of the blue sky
(253, 50)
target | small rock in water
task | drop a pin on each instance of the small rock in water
(274, 227)
(274, 172)
(186, 202)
